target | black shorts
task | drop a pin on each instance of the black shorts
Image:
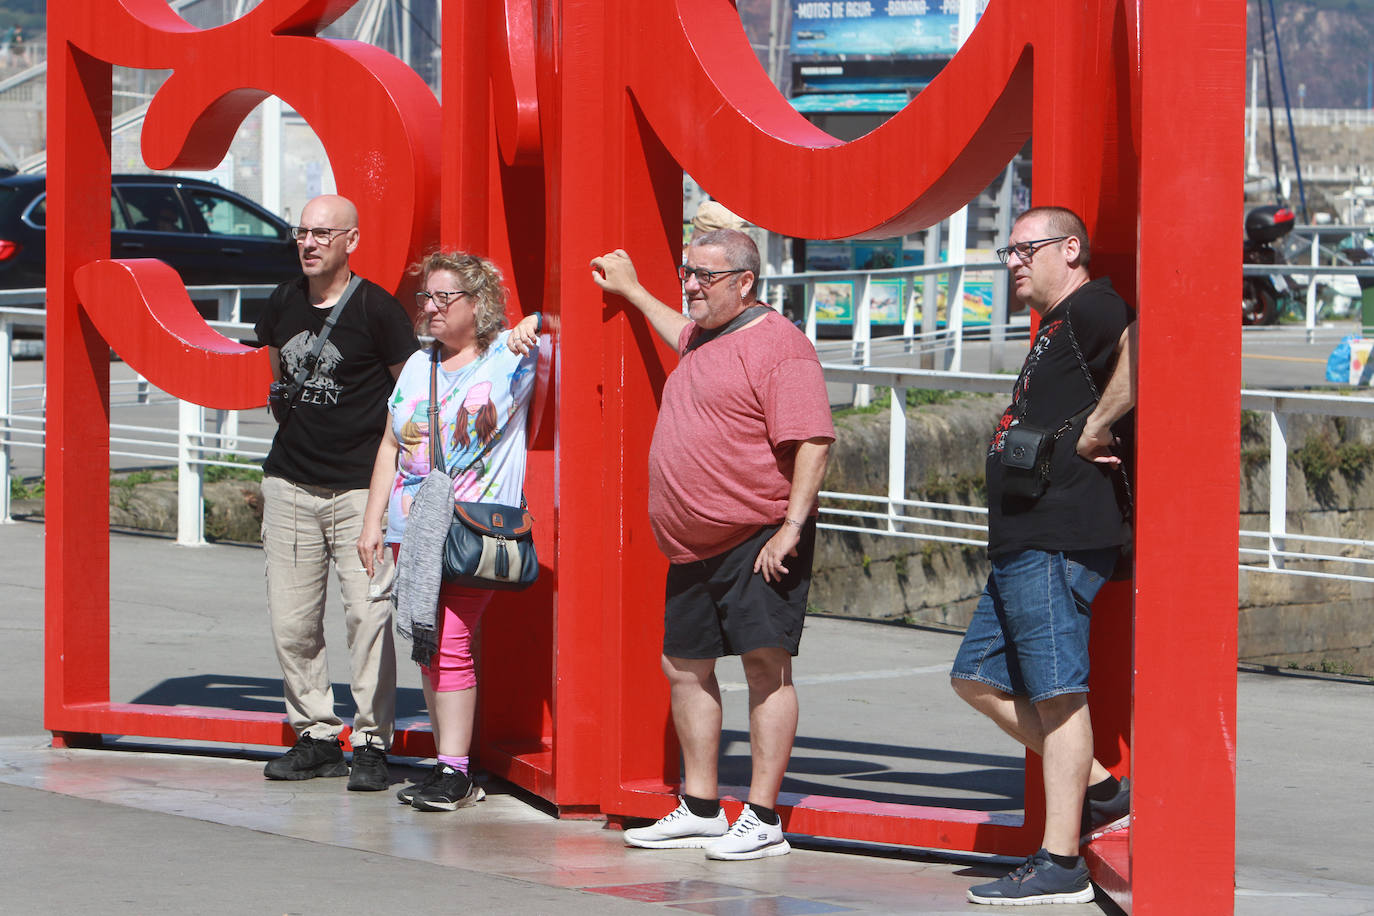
(720, 606)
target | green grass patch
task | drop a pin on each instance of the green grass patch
(20, 490)
(915, 397)
(243, 469)
(1322, 456)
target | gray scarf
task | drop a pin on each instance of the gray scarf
(420, 565)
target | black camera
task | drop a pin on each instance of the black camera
(280, 396)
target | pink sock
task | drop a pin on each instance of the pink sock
(458, 763)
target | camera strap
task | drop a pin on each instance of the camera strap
(704, 336)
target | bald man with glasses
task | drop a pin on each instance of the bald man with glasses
(315, 483)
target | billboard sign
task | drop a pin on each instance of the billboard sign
(879, 28)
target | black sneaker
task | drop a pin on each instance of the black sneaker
(450, 790)
(1037, 880)
(406, 794)
(1103, 817)
(369, 770)
(310, 757)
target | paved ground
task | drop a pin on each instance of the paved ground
(180, 829)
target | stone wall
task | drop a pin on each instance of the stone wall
(891, 578)
(1296, 621)
(1287, 621)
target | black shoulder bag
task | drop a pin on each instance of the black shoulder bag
(282, 396)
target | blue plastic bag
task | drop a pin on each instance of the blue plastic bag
(1338, 363)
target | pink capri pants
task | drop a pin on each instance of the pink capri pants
(460, 611)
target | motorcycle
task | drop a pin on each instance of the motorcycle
(1264, 296)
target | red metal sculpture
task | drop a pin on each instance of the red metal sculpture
(565, 129)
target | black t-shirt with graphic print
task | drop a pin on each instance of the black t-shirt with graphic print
(1082, 508)
(331, 438)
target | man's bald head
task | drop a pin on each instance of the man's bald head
(332, 210)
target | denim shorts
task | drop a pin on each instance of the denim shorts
(1029, 633)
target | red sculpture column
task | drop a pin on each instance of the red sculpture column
(76, 512)
(1192, 100)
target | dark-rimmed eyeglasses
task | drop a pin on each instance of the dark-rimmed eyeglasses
(1026, 250)
(321, 234)
(442, 298)
(705, 277)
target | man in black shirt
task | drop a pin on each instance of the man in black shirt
(1055, 529)
(315, 482)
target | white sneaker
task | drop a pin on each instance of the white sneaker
(749, 838)
(680, 830)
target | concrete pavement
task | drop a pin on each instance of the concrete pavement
(145, 828)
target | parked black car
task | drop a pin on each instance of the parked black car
(207, 234)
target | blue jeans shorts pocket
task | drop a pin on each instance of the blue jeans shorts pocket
(1029, 633)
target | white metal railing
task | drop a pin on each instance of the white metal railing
(1279, 407)
(919, 299)
(1317, 117)
(892, 516)
(201, 438)
(1324, 263)
(1317, 273)
(24, 307)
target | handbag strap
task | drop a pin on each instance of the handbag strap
(1087, 374)
(1078, 352)
(298, 383)
(1097, 396)
(436, 451)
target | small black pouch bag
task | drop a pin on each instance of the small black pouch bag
(1026, 454)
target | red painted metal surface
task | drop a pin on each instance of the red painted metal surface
(1185, 624)
(381, 124)
(144, 313)
(562, 136)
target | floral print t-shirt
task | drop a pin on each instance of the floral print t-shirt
(486, 401)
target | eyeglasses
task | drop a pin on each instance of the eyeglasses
(322, 235)
(705, 277)
(442, 299)
(1026, 250)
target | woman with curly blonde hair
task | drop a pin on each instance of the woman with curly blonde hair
(484, 378)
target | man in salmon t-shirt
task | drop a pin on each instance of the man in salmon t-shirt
(737, 458)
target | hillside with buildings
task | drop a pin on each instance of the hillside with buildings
(28, 15)
(1328, 51)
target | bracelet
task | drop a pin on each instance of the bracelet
(538, 323)
(794, 524)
